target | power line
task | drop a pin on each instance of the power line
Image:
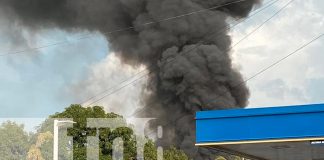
(263, 70)
(209, 35)
(121, 29)
(277, 62)
(280, 60)
(246, 36)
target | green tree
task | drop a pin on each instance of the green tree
(14, 141)
(80, 132)
(174, 154)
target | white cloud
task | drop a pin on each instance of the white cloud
(37, 78)
(105, 78)
(286, 83)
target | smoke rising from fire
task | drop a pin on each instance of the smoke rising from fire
(189, 72)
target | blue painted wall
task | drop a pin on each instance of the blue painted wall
(304, 121)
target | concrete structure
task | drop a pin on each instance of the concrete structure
(276, 133)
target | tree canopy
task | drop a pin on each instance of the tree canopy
(80, 132)
(17, 144)
(14, 141)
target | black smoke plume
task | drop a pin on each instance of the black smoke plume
(189, 72)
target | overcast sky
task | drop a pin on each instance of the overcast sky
(37, 83)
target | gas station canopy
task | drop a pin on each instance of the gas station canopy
(275, 133)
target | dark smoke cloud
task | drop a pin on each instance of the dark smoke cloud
(183, 80)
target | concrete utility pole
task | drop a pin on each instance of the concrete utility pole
(56, 132)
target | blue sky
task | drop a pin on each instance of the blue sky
(33, 84)
(41, 82)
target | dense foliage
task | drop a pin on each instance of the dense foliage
(14, 141)
(17, 144)
(80, 132)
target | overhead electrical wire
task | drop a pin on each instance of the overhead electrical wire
(245, 37)
(119, 30)
(265, 69)
(207, 35)
(276, 62)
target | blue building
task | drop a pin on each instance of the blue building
(275, 133)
